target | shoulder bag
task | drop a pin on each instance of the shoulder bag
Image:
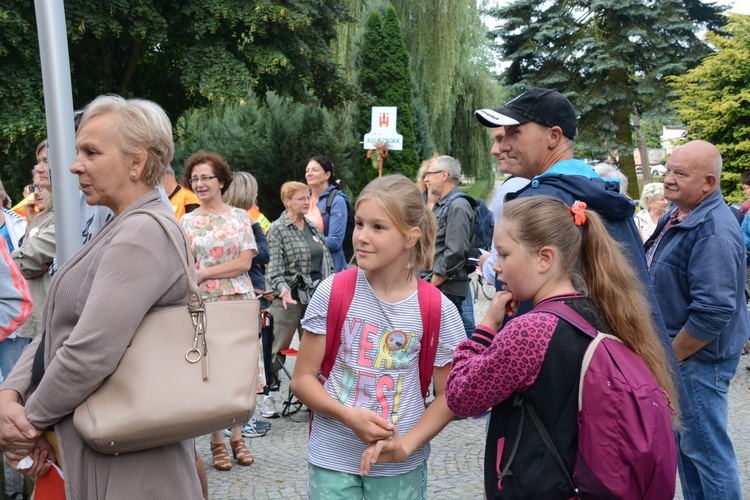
(167, 388)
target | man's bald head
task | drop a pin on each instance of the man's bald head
(704, 154)
(693, 174)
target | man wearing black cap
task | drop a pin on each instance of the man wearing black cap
(540, 129)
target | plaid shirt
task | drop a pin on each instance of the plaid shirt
(290, 255)
(674, 219)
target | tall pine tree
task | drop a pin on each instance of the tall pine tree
(610, 57)
(385, 79)
(451, 73)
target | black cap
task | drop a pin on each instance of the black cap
(544, 106)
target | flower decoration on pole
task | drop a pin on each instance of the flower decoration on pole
(381, 151)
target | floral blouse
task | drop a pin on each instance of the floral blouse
(217, 238)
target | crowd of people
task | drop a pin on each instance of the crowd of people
(667, 279)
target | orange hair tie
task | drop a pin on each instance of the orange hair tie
(579, 213)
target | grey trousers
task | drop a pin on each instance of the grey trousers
(285, 323)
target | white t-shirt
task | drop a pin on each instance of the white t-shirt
(645, 223)
(512, 185)
(367, 374)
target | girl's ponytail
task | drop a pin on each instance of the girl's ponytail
(582, 242)
(616, 290)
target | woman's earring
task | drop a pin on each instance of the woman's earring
(132, 175)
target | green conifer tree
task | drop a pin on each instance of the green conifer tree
(384, 76)
(611, 57)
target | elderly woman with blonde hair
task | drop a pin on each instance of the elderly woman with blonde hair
(300, 260)
(653, 205)
(94, 306)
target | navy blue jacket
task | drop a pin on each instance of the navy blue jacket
(698, 270)
(571, 180)
(258, 267)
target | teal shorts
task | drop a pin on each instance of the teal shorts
(325, 484)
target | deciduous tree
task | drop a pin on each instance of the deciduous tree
(181, 54)
(272, 139)
(713, 99)
(450, 66)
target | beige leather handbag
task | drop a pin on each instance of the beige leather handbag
(188, 371)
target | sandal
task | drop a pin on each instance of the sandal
(241, 453)
(221, 456)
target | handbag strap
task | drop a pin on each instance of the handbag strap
(195, 300)
(196, 305)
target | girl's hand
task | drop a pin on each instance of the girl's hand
(383, 451)
(503, 304)
(286, 297)
(368, 425)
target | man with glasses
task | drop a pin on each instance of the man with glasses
(455, 218)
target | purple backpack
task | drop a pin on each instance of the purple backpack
(626, 446)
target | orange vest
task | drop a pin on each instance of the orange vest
(258, 217)
(20, 207)
(181, 198)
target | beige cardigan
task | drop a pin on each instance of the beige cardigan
(37, 251)
(94, 305)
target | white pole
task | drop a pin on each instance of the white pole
(58, 102)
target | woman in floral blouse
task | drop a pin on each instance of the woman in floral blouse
(222, 240)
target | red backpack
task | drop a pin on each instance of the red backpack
(342, 293)
(626, 446)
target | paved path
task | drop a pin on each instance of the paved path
(455, 467)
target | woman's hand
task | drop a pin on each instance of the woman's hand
(503, 304)
(200, 276)
(368, 425)
(383, 451)
(16, 432)
(286, 297)
(42, 454)
(30, 208)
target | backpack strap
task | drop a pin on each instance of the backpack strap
(564, 311)
(472, 202)
(342, 293)
(329, 204)
(430, 307)
(329, 201)
(520, 401)
(547, 440)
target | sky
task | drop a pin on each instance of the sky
(741, 6)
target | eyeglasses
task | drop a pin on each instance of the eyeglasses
(33, 187)
(203, 179)
(427, 174)
(302, 198)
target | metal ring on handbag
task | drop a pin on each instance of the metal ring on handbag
(193, 350)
